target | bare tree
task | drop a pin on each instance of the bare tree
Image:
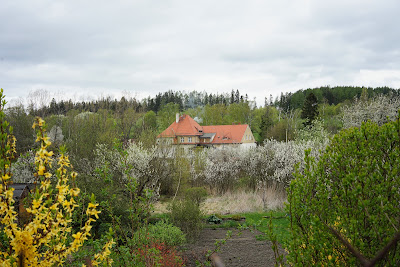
(37, 100)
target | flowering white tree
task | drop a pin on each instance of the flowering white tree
(275, 161)
(134, 162)
(222, 168)
(380, 109)
(198, 160)
(272, 163)
(56, 135)
(24, 168)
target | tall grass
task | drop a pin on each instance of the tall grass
(240, 201)
(244, 201)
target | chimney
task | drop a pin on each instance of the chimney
(177, 117)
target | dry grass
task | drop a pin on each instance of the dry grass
(242, 201)
(239, 202)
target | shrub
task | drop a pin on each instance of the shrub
(187, 215)
(345, 208)
(44, 240)
(196, 194)
(152, 245)
(158, 254)
(161, 232)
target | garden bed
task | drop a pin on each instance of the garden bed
(239, 250)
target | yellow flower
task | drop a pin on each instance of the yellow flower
(5, 177)
(43, 240)
(329, 257)
(92, 205)
(74, 192)
(41, 170)
(40, 121)
(36, 203)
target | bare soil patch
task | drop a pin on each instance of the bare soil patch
(239, 250)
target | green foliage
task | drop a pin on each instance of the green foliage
(345, 208)
(309, 111)
(187, 215)
(261, 221)
(215, 115)
(153, 254)
(238, 113)
(166, 116)
(162, 232)
(237, 217)
(22, 124)
(196, 194)
(150, 120)
(213, 219)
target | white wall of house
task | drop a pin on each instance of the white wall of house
(247, 145)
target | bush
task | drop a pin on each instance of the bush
(345, 208)
(152, 245)
(161, 232)
(187, 215)
(46, 238)
(196, 194)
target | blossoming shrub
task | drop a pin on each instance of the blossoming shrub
(44, 240)
(345, 208)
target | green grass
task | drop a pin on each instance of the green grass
(280, 222)
(254, 220)
(257, 220)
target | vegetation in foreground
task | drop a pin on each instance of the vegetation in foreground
(125, 178)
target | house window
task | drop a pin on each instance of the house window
(190, 139)
(182, 139)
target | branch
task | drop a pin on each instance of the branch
(382, 253)
(364, 261)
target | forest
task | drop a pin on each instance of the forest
(119, 172)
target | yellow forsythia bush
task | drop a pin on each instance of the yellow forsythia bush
(46, 238)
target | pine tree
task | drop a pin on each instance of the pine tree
(309, 111)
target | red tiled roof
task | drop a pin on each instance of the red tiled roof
(186, 126)
(226, 134)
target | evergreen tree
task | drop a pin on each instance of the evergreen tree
(237, 96)
(309, 111)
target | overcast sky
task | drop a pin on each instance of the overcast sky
(88, 49)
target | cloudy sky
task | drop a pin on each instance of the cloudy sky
(83, 49)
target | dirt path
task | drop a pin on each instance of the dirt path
(242, 250)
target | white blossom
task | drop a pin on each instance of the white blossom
(380, 110)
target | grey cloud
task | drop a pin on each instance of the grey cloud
(153, 46)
